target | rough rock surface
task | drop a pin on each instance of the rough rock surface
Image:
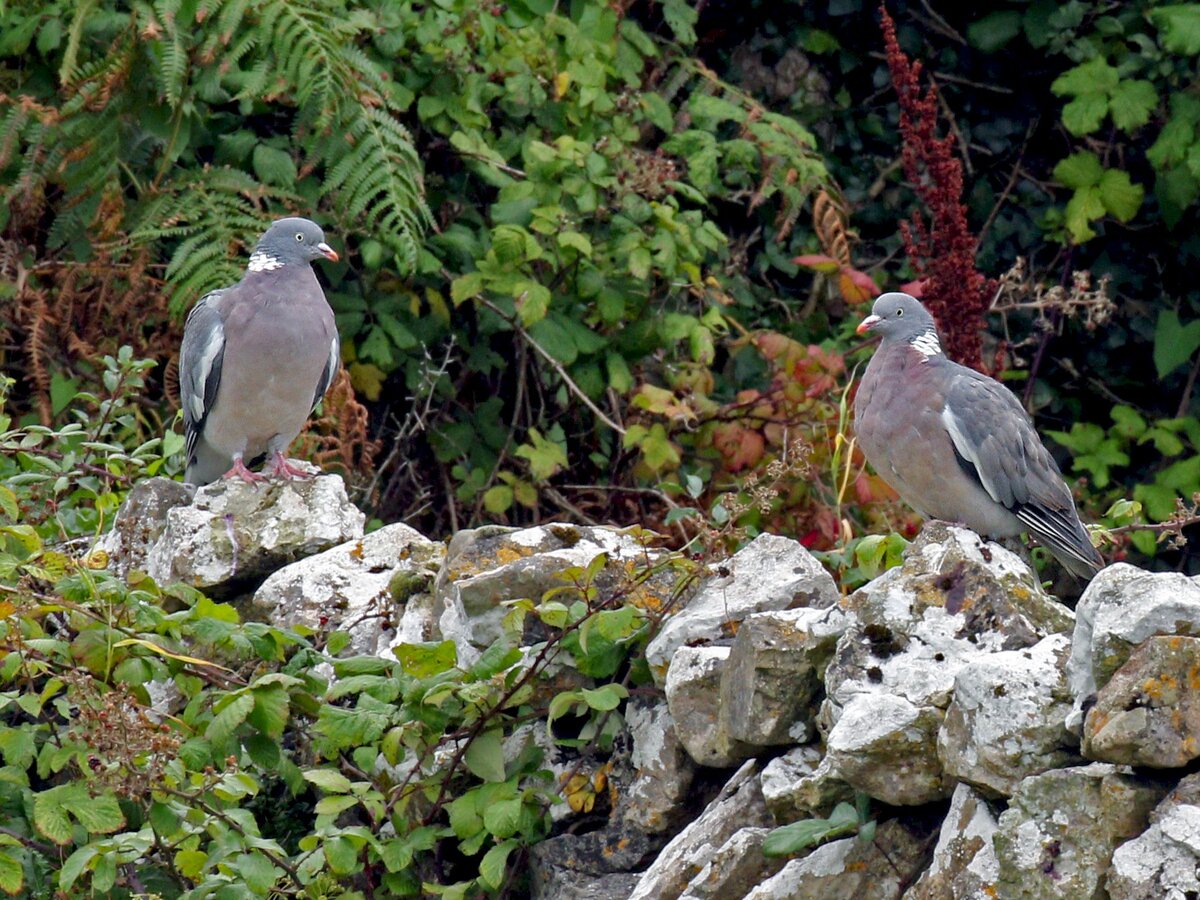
(693, 692)
(1058, 835)
(739, 805)
(664, 771)
(1148, 714)
(885, 746)
(774, 671)
(233, 533)
(801, 784)
(487, 566)
(770, 572)
(964, 865)
(734, 868)
(1164, 860)
(365, 587)
(1008, 718)
(140, 521)
(851, 869)
(955, 598)
(1121, 607)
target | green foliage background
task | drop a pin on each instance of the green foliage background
(568, 289)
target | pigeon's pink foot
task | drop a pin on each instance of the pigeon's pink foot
(284, 469)
(239, 470)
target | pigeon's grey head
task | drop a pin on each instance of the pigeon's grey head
(898, 317)
(289, 241)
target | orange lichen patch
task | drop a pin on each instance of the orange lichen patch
(1157, 688)
(730, 628)
(1193, 678)
(859, 866)
(1097, 721)
(508, 554)
(356, 552)
(643, 598)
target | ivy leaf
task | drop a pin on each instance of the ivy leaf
(485, 756)
(1079, 170)
(1132, 103)
(1180, 27)
(1174, 342)
(1120, 196)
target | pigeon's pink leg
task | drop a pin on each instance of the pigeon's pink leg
(284, 469)
(239, 470)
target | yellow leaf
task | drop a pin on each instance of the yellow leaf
(162, 651)
(97, 559)
(367, 379)
(562, 83)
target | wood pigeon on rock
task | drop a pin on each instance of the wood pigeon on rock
(957, 445)
(257, 358)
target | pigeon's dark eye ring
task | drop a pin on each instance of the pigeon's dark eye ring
(300, 238)
(899, 312)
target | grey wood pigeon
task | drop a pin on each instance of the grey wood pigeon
(257, 358)
(957, 445)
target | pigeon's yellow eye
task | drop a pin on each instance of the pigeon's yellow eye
(300, 238)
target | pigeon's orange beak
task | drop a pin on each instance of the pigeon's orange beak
(866, 324)
(330, 253)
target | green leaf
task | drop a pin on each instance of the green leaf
(1174, 342)
(576, 241)
(605, 698)
(342, 855)
(1132, 103)
(498, 499)
(190, 863)
(493, 866)
(681, 18)
(12, 873)
(546, 457)
(658, 112)
(1120, 196)
(1085, 113)
(50, 816)
(274, 166)
(1079, 170)
(994, 30)
(99, 815)
(1083, 208)
(485, 756)
(555, 340)
(427, 658)
(271, 710)
(1180, 27)
(75, 866)
(1092, 77)
(258, 872)
(503, 817)
(466, 287)
(639, 263)
(329, 780)
(233, 714)
(532, 302)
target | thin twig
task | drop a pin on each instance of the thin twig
(557, 366)
(1186, 400)
(29, 842)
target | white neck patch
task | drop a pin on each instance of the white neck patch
(263, 262)
(927, 344)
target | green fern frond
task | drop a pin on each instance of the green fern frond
(377, 180)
